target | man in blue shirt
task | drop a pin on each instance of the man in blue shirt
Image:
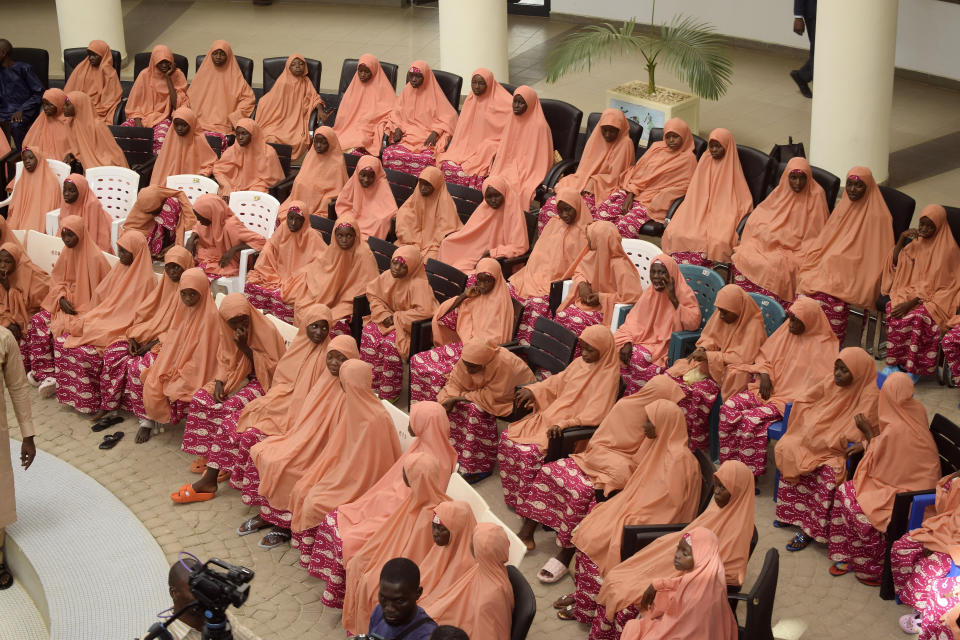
(398, 617)
(20, 94)
(805, 18)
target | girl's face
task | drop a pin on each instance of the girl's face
(29, 161)
(318, 331)
(728, 317)
(320, 143)
(204, 221)
(70, 239)
(189, 297)
(294, 220)
(566, 213)
(609, 133)
(70, 192)
(345, 236)
(126, 258)
(683, 558)
(363, 72)
(472, 369)
(519, 105)
(398, 268)
(219, 57)
(650, 429)
(7, 264)
(243, 137)
(239, 322)
(334, 360)
(415, 79)
(181, 127)
(366, 177)
(855, 189)
(798, 180)
(589, 353)
(673, 140)
(298, 67)
(485, 282)
(842, 377)
(716, 150)
(493, 198)
(69, 110)
(441, 535)
(49, 108)
(796, 324)
(721, 495)
(173, 271)
(478, 85)
(925, 227)
(94, 58)
(425, 188)
(659, 276)
(164, 67)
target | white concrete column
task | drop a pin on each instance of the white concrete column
(853, 85)
(473, 33)
(81, 21)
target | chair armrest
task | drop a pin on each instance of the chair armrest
(506, 264)
(620, 312)
(638, 536)
(741, 225)
(563, 446)
(917, 506)
(900, 517)
(53, 222)
(332, 209)
(282, 189)
(559, 170)
(673, 209)
(115, 233)
(361, 308)
(120, 113)
(146, 167)
(7, 200)
(421, 335)
(739, 596)
(559, 289)
(246, 263)
(680, 342)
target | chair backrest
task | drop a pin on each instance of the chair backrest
(257, 211)
(759, 622)
(829, 182)
(349, 68)
(39, 59)
(656, 135)
(382, 251)
(193, 186)
(758, 168)
(115, 187)
(142, 60)
(287, 331)
(466, 199)
(273, 67)
(60, 169)
(636, 132)
(524, 604)
(401, 184)
(901, 208)
(509, 87)
(947, 436)
(706, 478)
(216, 143)
(564, 120)
(284, 155)
(699, 145)
(451, 84)
(460, 489)
(705, 284)
(953, 219)
(323, 225)
(43, 250)
(351, 161)
(551, 346)
(135, 142)
(400, 422)
(446, 281)
(74, 56)
(245, 64)
(20, 235)
(112, 260)
(641, 254)
(773, 314)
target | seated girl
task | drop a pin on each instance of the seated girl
(666, 306)
(704, 228)
(219, 237)
(218, 93)
(902, 458)
(367, 198)
(812, 455)
(398, 297)
(163, 216)
(496, 229)
(796, 356)
(23, 287)
(365, 108)
(156, 94)
(49, 131)
(97, 78)
(844, 263)
(187, 153)
(249, 165)
(321, 176)
(428, 216)
(483, 117)
(581, 394)
(422, 121)
(91, 143)
(481, 388)
(34, 194)
(732, 335)
(646, 190)
(769, 253)
(525, 153)
(79, 200)
(284, 111)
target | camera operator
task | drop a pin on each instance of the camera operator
(190, 624)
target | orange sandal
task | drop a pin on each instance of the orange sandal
(186, 495)
(198, 466)
(224, 475)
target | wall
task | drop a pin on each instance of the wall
(926, 35)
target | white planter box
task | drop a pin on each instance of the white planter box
(650, 113)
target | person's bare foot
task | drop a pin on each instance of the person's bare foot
(275, 538)
(254, 524)
(208, 482)
(143, 434)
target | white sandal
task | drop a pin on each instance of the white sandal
(556, 570)
(910, 623)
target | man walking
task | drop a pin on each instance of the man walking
(805, 17)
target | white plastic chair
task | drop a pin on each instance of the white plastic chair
(116, 189)
(460, 489)
(111, 259)
(21, 235)
(641, 254)
(192, 185)
(43, 250)
(60, 169)
(401, 422)
(517, 547)
(287, 331)
(257, 211)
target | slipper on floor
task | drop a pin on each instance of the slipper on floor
(198, 466)
(6, 578)
(186, 495)
(566, 613)
(564, 602)
(555, 568)
(799, 542)
(224, 475)
(870, 582)
(910, 623)
(105, 423)
(474, 478)
(838, 569)
(244, 530)
(779, 524)
(110, 440)
(284, 538)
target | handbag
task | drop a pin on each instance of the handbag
(783, 152)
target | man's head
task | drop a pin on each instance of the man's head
(179, 582)
(399, 591)
(5, 48)
(449, 632)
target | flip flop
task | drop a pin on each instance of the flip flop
(556, 569)
(838, 569)
(566, 613)
(186, 495)
(474, 478)
(284, 538)
(870, 582)
(799, 542)
(244, 530)
(110, 440)
(780, 524)
(910, 624)
(105, 423)
(563, 603)
(198, 466)
(224, 475)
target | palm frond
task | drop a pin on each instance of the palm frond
(578, 51)
(695, 52)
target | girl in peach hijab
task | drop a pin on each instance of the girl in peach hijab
(729, 516)
(921, 280)
(480, 388)
(484, 311)
(321, 176)
(219, 94)
(284, 110)
(525, 153)
(732, 335)
(769, 253)
(902, 458)
(668, 305)
(796, 356)
(839, 409)
(188, 152)
(97, 78)
(34, 194)
(162, 215)
(79, 200)
(647, 189)
(23, 286)
(449, 557)
(422, 121)
(398, 297)
(845, 262)
(608, 153)
(249, 165)
(365, 107)
(480, 126)
(603, 276)
(581, 394)
(335, 277)
(704, 228)
(91, 143)
(49, 131)
(429, 214)
(292, 246)
(367, 198)
(692, 606)
(219, 237)
(496, 229)
(156, 94)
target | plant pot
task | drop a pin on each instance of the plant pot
(653, 110)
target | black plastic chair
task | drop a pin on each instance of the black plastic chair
(953, 219)
(39, 59)
(758, 168)
(509, 87)
(401, 184)
(284, 153)
(829, 182)
(564, 120)
(551, 346)
(137, 146)
(347, 72)
(245, 64)
(466, 199)
(74, 56)
(216, 143)
(323, 225)
(524, 604)
(451, 84)
(901, 208)
(446, 282)
(273, 68)
(568, 166)
(142, 60)
(351, 161)
(759, 600)
(382, 251)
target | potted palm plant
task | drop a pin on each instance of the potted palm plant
(693, 50)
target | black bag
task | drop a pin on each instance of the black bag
(783, 152)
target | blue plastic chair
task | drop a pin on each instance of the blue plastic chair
(773, 314)
(705, 284)
(774, 432)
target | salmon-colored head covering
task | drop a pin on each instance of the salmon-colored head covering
(155, 314)
(717, 198)
(487, 316)
(365, 108)
(405, 299)
(422, 110)
(51, 133)
(321, 176)
(284, 110)
(100, 83)
(187, 154)
(78, 271)
(847, 258)
(662, 175)
(90, 139)
(287, 251)
(373, 207)
(29, 285)
(443, 566)
(263, 338)
(150, 200)
(654, 318)
(602, 162)
(492, 387)
(425, 221)
(480, 126)
(220, 95)
(224, 232)
(87, 206)
(254, 167)
(34, 194)
(525, 153)
(149, 98)
(941, 529)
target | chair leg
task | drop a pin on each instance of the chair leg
(864, 329)
(878, 342)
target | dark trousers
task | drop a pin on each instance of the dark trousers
(18, 130)
(810, 21)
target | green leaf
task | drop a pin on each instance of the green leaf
(578, 51)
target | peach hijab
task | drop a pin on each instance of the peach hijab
(847, 258)
(663, 489)
(224, 231)
(405, 299)
(220, 95)
(442, 566)
(555, 251)
(485, 317)
(423, 110)
(254, 167)
(941, 529)
(654, 318)
(717, 198)
(603, 162)
(692, 605)
(902, 458)
(187, 154)
(34, 194)
(75, 275)
(662, 175)
(87, 207)
(149, 98)
(525, 153)
(365, 107)
(51, 133)
(928, 269)
(287, 251)
(155, 314)
(263, 338)
(321, 176)
(822, 420)
(480, 127)
(582, 394)
(501, 232)
(284, 110)
(372, 207)
(100, 83)
(90, 140)
(769, 252)
(492, 388)
(29, 285)
(151, 200)
(732, 524)
(424, 221)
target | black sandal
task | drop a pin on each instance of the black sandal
(105, 423)
(110, 440)
(6, 578)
